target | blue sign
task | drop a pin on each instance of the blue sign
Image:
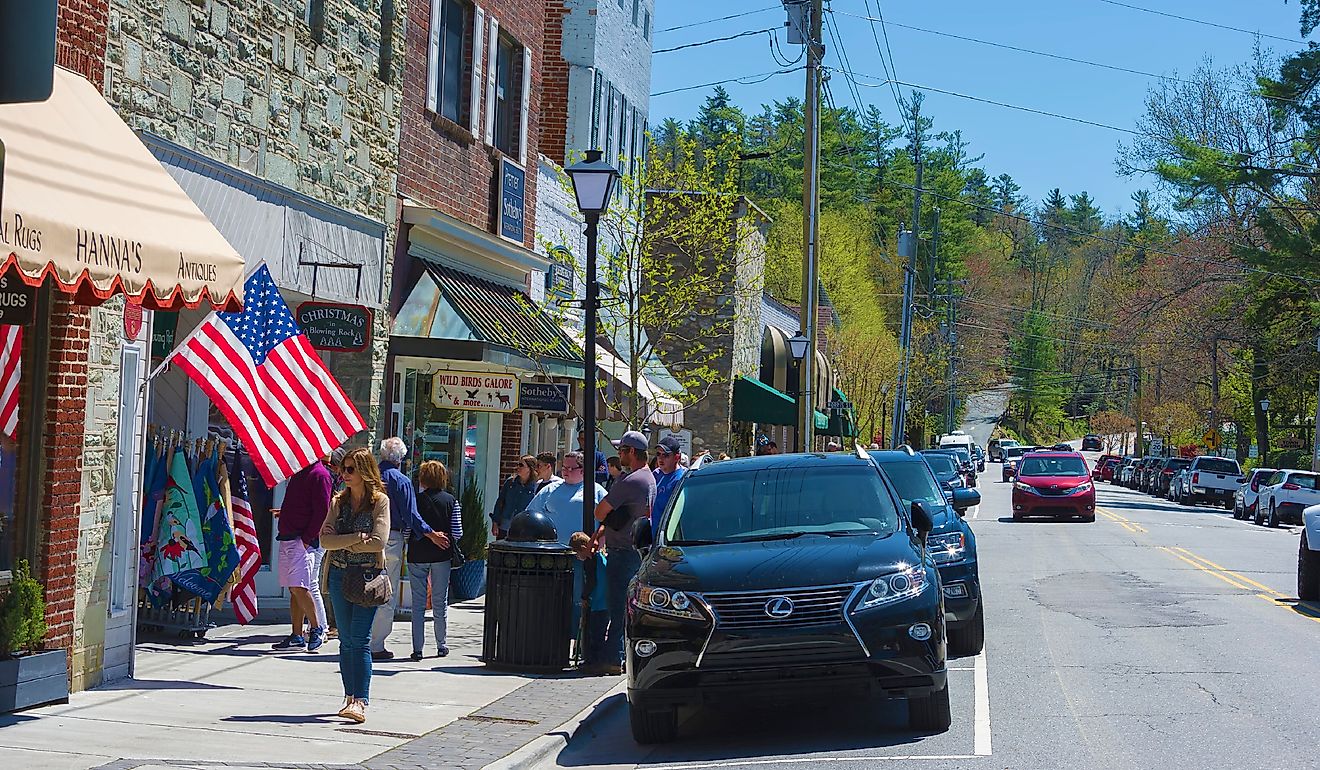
(543, 397)
(513, 200)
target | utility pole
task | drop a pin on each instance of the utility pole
(810, 228)
(1139, 448)
(910, 284)
(1315, 447)
(1214, 391)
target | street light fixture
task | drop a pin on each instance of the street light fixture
(593, 183)
(797, 345)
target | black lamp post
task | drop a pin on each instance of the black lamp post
(797, 347)
(593, 183)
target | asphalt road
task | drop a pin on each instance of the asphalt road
(1159, 633)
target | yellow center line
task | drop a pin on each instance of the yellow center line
(1206, 570)
(1127, 524)
(1227, 571)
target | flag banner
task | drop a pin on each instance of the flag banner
(11, 346)
(244, 594)
(261, 372)
(179, 542)
(221, 551)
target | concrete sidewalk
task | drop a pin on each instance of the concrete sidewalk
(230, 699)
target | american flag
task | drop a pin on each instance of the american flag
(11, 345)
(262, 373)
(244, 594)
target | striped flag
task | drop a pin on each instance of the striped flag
(244, 594)
(11, 345)
(262, 373)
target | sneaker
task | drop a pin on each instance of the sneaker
(316, 639)
(348, 702)
(291, 642)
(356, 712)
(382, 655)
(443, 652)
(416, 656)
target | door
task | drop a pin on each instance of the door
(126, 520)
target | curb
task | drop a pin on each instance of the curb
(545, 746)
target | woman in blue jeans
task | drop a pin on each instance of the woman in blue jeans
(430, 555)
(355, 534)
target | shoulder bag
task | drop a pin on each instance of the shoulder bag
(366, 585)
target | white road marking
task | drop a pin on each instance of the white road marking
(810, 760)
(981, 685)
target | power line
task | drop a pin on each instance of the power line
(888, 67)
(715, 40)
(746, 80)
(1202, 21)
(721, 18)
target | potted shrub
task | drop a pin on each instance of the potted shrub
(28, 676)
(469, 581)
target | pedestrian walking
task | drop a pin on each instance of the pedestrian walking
(668, 472)
(561, 502)
(355, 535)
(515, 493)
(545, 470)
(404, 522)
(306, 503)
(596, 605)
(430, 556)
(628, 502)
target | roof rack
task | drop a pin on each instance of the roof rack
(906, 449)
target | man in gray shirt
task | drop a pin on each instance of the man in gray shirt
(628, 502)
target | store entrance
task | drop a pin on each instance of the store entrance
(434, 433)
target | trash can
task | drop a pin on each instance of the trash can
(529, 598)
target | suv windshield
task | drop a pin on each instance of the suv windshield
(1015, 452)
(1218, 465)
(773, 503)
(914, 482)
(1052, 466)
(942, 465)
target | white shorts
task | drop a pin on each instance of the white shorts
(296, 564)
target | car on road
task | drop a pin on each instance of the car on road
(1248, 492)
(979, 454)
(1055, 484)
(1098, 470)
(714, 614)
(1308, 556)
(951, 543)
(1146, 474)
(966, 465)
(1207, 479)
(1092, 443)
(1062, 446)
(997, 447)
(1284, 495)
(1013, 455)
(1109, 470)
(1164, 473)
(946, 469)
(1124, 475)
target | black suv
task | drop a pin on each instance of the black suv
(782, 576)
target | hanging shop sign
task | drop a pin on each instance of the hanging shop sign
(17, 300)
(332, 326)
(475, 391)
(132, 320)
(684, 439)
(549, 397)
(164, 327)
(513, 200)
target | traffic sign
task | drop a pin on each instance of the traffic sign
(839, 405)
(1212, 438)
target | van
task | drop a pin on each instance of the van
(957, 439)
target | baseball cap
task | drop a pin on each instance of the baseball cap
(669, 445)
(633, 440)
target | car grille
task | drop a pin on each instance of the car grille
(1047, 492)
(811, 607)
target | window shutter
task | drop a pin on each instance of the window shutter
(433, 59)
(595, 111)
(478, 56)
(526, 97)
(492, 58)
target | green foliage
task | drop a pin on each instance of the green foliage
(22, 614)
(1033, 363)
(476, 526)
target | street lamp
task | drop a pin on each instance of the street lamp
(797, 347)
(593, 182)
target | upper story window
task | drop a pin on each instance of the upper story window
(646, 25)
(448, 60)
(510, 96)
(637, 10)
(315, 18)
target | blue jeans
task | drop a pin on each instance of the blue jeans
(354, 624)
(437, 574)
(620, 568)
(597, 626)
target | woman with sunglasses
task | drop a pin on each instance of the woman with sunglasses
(515, 493)
(355, 534)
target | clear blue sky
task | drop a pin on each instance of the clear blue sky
(1040, 152)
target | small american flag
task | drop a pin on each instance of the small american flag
(262, 373)
(244, 594)
(11, 345)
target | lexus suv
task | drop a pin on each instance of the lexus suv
(1054, 484)
(781, 576)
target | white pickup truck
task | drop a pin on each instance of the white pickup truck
(1308, 556)
(1285, 495)
(1211, 480)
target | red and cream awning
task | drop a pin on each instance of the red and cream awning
(88, 206)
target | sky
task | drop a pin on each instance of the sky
(1040, 152)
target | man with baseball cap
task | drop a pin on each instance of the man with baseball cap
(668, 471)
(628, 501)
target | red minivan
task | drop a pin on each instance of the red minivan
(1053, 484)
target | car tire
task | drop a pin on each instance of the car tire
(930, 713)
(1308, 572)
(1237, 512)
(1258, 518)
(1274, 517)
(1017, 516)
(1229, 505)
(968, 638)
(653, 725)
(1089, 519)
(1186, 500)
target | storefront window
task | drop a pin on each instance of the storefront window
(433, 433)
(10, 537)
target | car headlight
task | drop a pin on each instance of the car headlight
(666, 602)
(947, 548)
(1024, 486)
(954, 483)
(894, 587)
(1080, 488)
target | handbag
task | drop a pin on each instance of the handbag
(367, 586)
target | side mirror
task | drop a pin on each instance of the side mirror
(921, 520)
(964, 499)
(642, 537)
(1242, 479)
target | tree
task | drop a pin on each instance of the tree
(1036, 390)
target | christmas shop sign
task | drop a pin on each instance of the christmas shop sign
(331, 326)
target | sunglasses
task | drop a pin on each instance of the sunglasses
(571, 467)
(349, 469)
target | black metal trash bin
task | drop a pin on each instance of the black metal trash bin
(529, 598)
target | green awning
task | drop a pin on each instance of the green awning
(754, 401)
(842, 422)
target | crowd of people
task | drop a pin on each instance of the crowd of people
(349, 522)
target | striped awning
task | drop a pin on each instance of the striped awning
(780, 371)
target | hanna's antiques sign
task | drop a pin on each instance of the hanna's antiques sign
(475, 391)
(331, 326)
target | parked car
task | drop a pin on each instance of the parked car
(964, 459)
(1054, 483)
(1147, 473)
(1097, 470)
(1208, 479)
(1285, 494)
(1109, 471)
(1139, 473)
(1248, 492)
(1092, 443)
(951, 543)
(712, 613)
(946, 469)
(1164, 472)
(1308, 556)
(1012, 455)
(1062, 446)
(1124, 475)
(997, 447)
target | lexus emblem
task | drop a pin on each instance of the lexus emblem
(779, 607)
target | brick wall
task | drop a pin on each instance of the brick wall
(441, 164)
(511, 445)
(554, 89)
(80, 37)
